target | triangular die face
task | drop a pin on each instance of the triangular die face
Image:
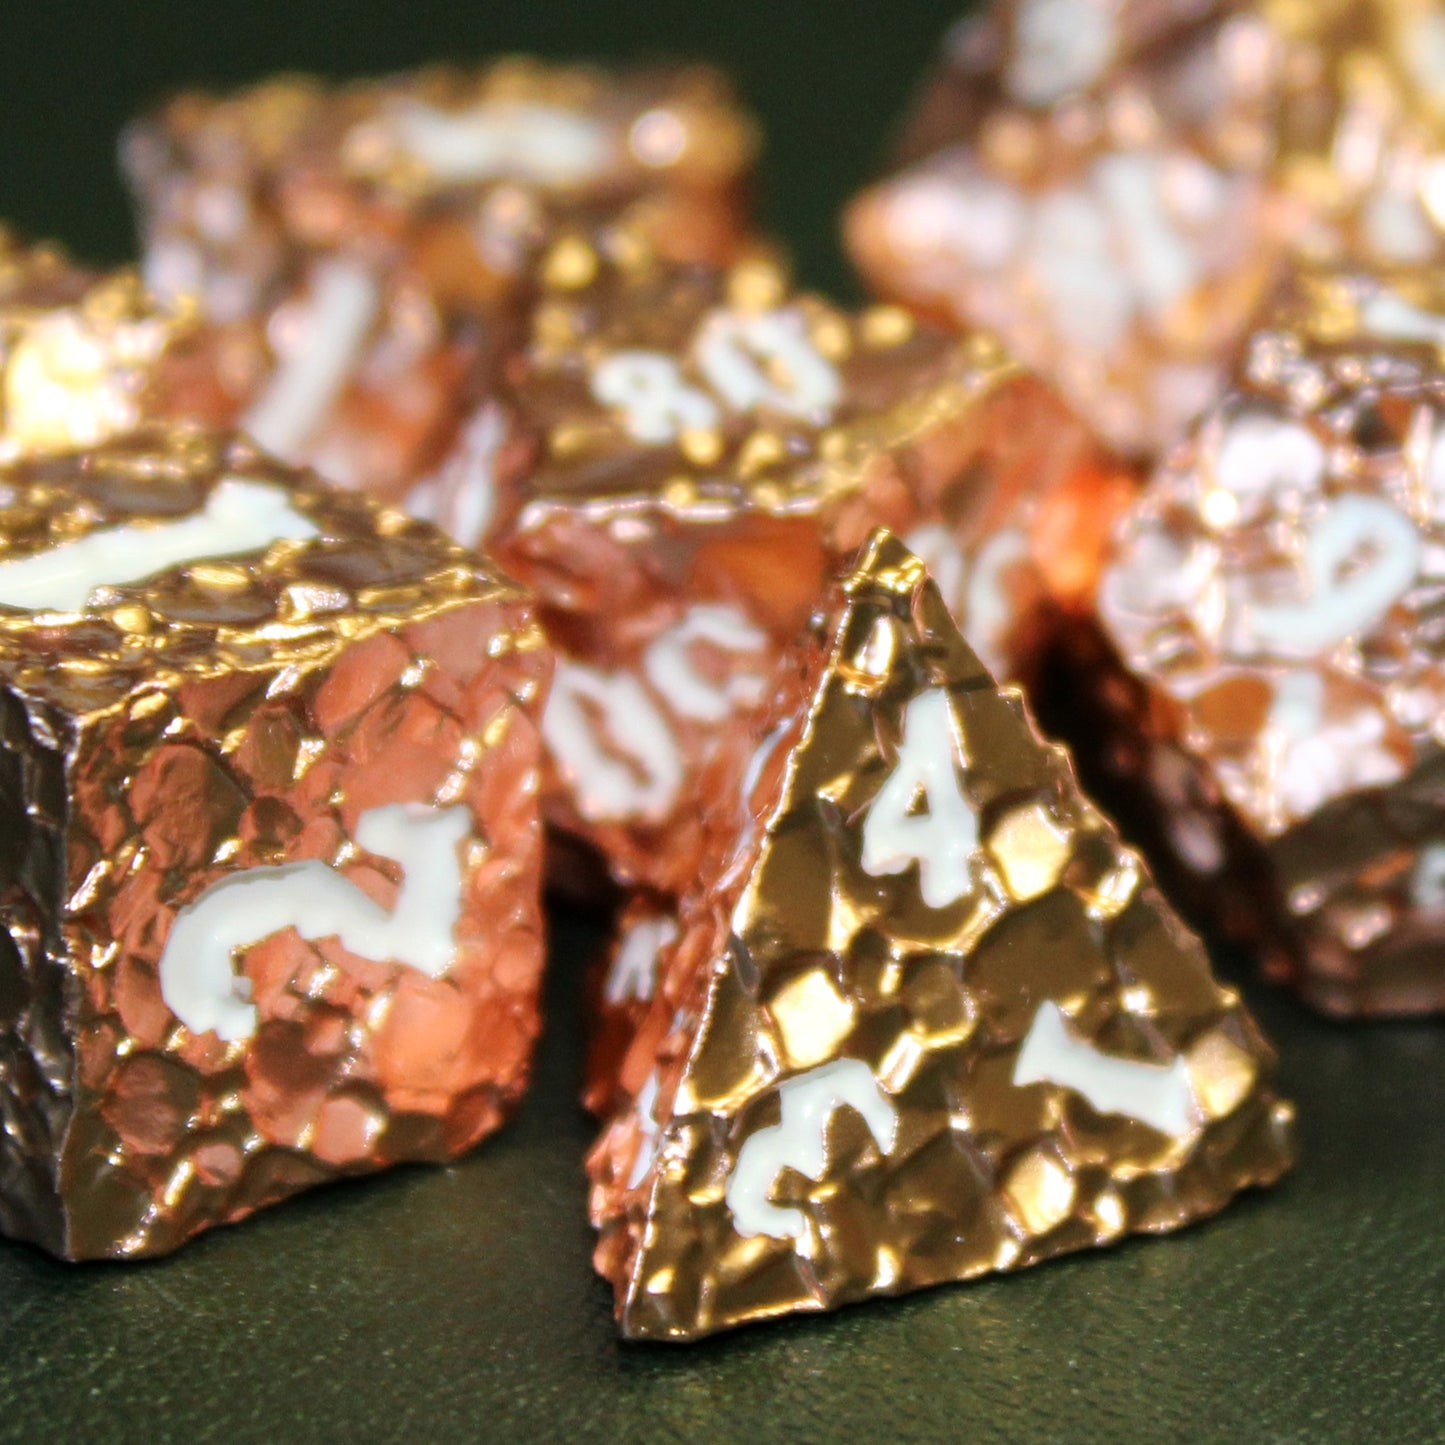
(934, 1021)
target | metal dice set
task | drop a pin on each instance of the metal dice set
(616, 534)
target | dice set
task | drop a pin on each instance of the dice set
(739, 593)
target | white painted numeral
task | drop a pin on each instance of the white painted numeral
(1261, 456)
(799, 1142)
(239, 517)
(1108, 251)
(747, 360)
(521, 139)
(1427, 881)
(1160, 1095)
(656, 402)
(1060, 46)
(198, 978)
(638, 774)
(1390, 317)
(1343, 607)
(1160, 262)
(339, 312)
(462, 496)
(975, 596)
(940, 840)
(649, 1129)
(766, 359)
(633, 974)
(670, 668)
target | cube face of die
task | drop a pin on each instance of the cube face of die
(1272, 589)
(364, 247)
(290, 924)
(683, 453)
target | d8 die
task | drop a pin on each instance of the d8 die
(271, 854)
(362, 247)
(1275, 591)
(681, 452)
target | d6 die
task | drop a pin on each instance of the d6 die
(271, 852)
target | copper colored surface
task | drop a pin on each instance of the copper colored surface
(233, 714)
(1276, 591)
(252, 202)
(795, 957)
(1118, 237)
(1112, 186)
(620, 991)
(678, 525)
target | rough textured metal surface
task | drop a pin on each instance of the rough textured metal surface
(621, 986)
(379, 234)
(1119, 228)
(682, 453)
(797, 954)
(1113, 187)
(227, 715)
(1276, 592)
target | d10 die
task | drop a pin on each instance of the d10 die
(1112, 208)
(923, 1018)
(362, 247)
(271, 852)
(1274, 595)
(680, 452)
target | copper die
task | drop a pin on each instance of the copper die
(271, 848)
(680, 456)
(363, 249)
(1275, 591)
(1109, 207)
(924, 1017)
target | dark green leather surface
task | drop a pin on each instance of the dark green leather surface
(460, 1304)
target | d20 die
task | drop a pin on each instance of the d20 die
(1273, 597)
(271, 850)
(362, 247)
(680, 455)
(924, 1019)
